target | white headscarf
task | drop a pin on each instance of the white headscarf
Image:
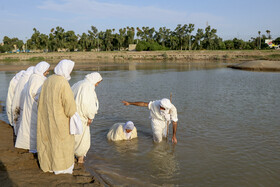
(19, 74)
(165, 103)
(64, 68)
(128, 126)
(41, 68)
(29, 71)
(94, 77)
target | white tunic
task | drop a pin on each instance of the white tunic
(87, 107)
(117, 133)
(27, 133)
(10, 96)
(17, 102)
(158, 121)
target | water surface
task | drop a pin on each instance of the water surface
(228, 129)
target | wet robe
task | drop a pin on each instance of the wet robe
(27, 133)
(10, 95)
(18, 100)
(55, 144)
(158, 121)
(87, 107)
(117, 133)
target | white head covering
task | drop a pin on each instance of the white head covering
(129, 126)
(29, 71)
(165, 103)
(19, 74)
(94, 77)
(41, 68)
(64, 68)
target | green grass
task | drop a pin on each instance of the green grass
(36, 59)
(10, 59)
(274, 56)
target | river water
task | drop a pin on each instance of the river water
(228, 129)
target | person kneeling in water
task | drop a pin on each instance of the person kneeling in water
(122, 131)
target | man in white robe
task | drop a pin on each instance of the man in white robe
(27, 133)
(17, 102)
(87, 107)
(161, 113)
(10, 95)
(56, 107)
(122, 131)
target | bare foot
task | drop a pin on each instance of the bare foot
(81, 160)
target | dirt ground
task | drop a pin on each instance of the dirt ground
(18, 167)
(259, 65)
(171, 56)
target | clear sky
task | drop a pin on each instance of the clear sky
(232, 18)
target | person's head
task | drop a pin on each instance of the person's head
(42, 68)
(29, 71)
(165, 104)
(64, 68)
(95, 78)
(19, 74)
(47, 72)
(128, 126)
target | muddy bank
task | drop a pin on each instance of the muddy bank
(120, 56)
(20, 168)
(260, 65)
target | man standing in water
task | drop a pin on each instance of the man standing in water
(161, 112)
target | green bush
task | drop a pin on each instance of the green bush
(149, 46)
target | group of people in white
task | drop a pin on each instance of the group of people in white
(52, 119)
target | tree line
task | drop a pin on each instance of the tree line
(145, 38)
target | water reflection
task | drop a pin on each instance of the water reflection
(228, 130)
(163, 161)
(125, 147)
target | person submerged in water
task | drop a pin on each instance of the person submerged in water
(122, 131)
(161, 112)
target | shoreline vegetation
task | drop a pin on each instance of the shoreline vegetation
(144, 56)
(18, 167)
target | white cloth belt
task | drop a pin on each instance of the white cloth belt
(76, 126)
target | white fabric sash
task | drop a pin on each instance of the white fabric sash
(76, 126)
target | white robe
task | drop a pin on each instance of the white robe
(117, 133)
(27, 133)
(18, 100)
(10, 96)
(158, 121)
(87, 107)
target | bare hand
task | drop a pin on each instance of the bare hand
(89, 122)
(174, 140)
(125, 103)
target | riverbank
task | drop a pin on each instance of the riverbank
(172, 56)
(20, 168)
(260, 65)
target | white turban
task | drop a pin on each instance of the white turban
(94, 77)
(129, 125)
(165, 103)
(19, 74)
(64, 68)
(29, 71)
(41, 68)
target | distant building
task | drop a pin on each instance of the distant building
(132, 47)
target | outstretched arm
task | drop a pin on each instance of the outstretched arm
(143, 104)
(174, 139)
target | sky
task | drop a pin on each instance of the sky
(232, 18)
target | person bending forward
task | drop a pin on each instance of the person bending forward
(87, 106)
(161, 112)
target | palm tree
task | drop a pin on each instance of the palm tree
(260, 39)
(268, 33)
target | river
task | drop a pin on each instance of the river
(228, 129)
